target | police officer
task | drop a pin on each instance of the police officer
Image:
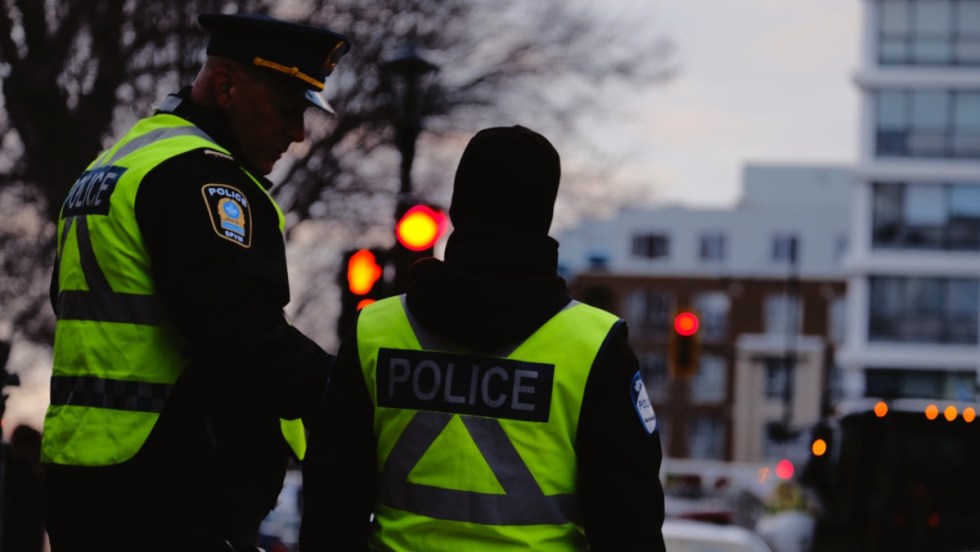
(486, 409)
(179, 387)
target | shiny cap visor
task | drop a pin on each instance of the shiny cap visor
(316, 100)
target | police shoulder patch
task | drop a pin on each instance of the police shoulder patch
(231, 216)
(641, 401)
(218, 154)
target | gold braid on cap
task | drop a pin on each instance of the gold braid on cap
(338, 51)
(291, 71)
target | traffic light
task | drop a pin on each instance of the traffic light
(417, 230)
(420, 228)
(818, 472)
(361, 281)
(684, 344)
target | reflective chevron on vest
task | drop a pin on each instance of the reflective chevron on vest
(476, 451)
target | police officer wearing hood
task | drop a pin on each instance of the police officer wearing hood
(486, 409)
(179, 387)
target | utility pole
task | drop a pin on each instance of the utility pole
(792, 329)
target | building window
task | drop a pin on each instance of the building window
(778, 441)
(653, 368)
(712, 308)
(706, 438)
(713, 246)
(926, 216)
(923, 310)
(927, 123)
(779, 375)
(785, 248)
(598, 261)
(650, 311)
(782, 314)
(933, 32)
(926, 384)
(771, 448)
(651, 246)
(710, 385)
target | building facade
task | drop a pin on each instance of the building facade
(914, 260)
(766, 280)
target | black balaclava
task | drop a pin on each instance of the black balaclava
(499, 282)
(503, 198)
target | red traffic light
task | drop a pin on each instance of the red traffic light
(686, 323)
(362, 272)
(420, 227)
(683, 347)
(784, 469)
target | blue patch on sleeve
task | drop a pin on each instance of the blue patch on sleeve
(230, 213)
(641, 401)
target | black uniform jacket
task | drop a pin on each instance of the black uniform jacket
(619, 462)
(247, 367)
(227, 299)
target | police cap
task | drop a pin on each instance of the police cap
(304, 56)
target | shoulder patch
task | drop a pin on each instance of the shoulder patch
(641, 401)
(218, 154)
(231, 216)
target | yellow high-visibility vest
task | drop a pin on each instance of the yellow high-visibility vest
(116, 353)
(477, 451)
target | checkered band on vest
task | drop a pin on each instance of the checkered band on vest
(136, 396)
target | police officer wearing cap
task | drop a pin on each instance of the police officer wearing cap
(179, 387)
(485, 409)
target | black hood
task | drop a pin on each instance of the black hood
(490, 300)
(499, 282)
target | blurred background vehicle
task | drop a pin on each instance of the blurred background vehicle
(279, 531)
(897, 474)
(682, 535)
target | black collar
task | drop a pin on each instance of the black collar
(212, 122)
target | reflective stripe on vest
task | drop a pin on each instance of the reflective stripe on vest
(100, 302)
(505, 476)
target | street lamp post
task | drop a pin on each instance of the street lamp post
(408, 68)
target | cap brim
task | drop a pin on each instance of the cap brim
(316, 100)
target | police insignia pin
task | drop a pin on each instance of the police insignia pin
(230, 214)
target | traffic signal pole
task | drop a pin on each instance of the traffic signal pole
(683, 358)
(684, 345)
(367, 275)
(409, 68)
(361, 282)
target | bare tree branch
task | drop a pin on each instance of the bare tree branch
(76, 73)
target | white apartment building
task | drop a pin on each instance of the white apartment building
(781, 205)
(767, 280)
(914, 257)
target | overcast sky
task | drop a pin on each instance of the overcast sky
(760, 81)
